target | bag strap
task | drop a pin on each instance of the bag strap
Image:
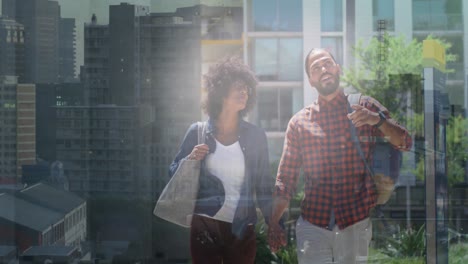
(201, 132)
(355, 99)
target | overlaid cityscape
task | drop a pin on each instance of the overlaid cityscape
(97, 95)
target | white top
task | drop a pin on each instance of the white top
(227, 163)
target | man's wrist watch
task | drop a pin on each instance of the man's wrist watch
(382, 119)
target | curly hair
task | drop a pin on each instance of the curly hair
(219, 80)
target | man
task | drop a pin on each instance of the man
(334, 225)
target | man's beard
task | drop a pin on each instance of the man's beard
(329, 88)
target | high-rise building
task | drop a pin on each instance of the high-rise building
(67, 53)
(151, 62)
(48, 97)
(12, 51)
(19, 127)
(170, 52)
(40, 19)
(96, 145)
(124, 52)
(95, 72)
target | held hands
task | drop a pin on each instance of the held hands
(276, 237)
(199, 152)
(363, 116)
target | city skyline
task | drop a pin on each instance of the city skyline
(82, 11)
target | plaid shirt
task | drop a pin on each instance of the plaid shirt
(318, 140)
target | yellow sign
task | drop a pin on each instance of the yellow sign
(433, 54)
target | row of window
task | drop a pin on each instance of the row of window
(286, 15)
(281, 59)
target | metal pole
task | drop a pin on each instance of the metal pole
(408, 206)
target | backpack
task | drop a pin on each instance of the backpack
(385, 168)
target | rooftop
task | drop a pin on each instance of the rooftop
(27, 214)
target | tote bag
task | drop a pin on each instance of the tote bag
(177, 200)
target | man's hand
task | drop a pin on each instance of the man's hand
(276, 237)
(363, 116)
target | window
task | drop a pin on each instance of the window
(335, 46)
(383, 10)
(276, 15)
(275, 106)
(331, 18)
(278, 59)
(437, 15)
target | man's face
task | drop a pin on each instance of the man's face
(324, 73)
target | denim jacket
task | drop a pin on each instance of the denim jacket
(257, 186)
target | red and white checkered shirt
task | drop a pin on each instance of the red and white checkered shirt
(318, 140)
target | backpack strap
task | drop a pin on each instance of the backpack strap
(201, 132)
(355, 99)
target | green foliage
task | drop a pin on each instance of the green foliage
(392, 77)
(264, 254)
(407, 243)
(457, 144)
(288, 254)
(457, 253)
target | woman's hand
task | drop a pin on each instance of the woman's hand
(199, 152)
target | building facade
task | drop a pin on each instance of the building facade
(97, 147)
(12, 52)
(281, 33)
(67, 53)
(41, 19)
(95, 71)
(19, 127)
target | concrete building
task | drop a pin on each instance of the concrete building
(26, 125)
(125, 58)
(67, 53)
(8, 254)
(48, 97)
(29, 224)
(41, 19)
(170, 92)
(97, 147)
(50, 254)
(18, 131)
(144, 71)
(72, 207)
(12, 52)
(95, 72)
(42, 216)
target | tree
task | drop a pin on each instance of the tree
(395, 77)
(457, 146)
(389, 69)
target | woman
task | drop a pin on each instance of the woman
(235, 169)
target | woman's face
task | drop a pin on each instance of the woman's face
(237, 97)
